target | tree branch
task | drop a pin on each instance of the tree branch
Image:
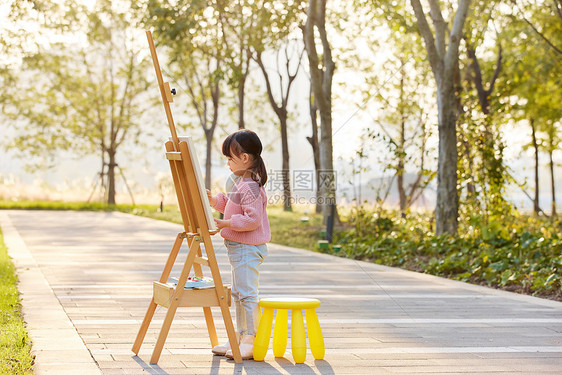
(215, 95)
(543, 37)
(497, 71)
(272, 101)
(193, 98)
(308, 36)
(440, 27)
(558, 6)
(124, 102)
(329, 64)
(425, 31)
(291, 76)
(279, 75)
(475, 65)
(451, 57)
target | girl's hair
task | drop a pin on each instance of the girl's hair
(246, 141)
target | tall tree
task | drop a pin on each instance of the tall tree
(237, 21)
(87, 96)
(405, 116)
(314, 143)
(443, 57)
(203, 81)
(482, 167)
(194, 45)
(280, 107)
(321, 76)
(554, 139)
(542, 90)
(272, 34)
(396, 76)
(531, 84)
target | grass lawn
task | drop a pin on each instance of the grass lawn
(15, 356)
(288, 229)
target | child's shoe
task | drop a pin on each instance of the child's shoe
(224, 348)
(246, 348)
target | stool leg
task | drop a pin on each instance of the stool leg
(314, 334)
(261, 342)
(280, 333)
(298, 338)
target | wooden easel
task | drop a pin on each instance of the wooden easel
(199, 226)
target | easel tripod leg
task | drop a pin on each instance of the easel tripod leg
(144, 326)
(164, 333)
(152, 306)
(223, 303)
(211, 326)
(207, 310)
(193, 247)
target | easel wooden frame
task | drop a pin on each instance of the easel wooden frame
(199, 227)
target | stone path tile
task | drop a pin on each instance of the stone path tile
(86, 281)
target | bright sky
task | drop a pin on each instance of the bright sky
(349, 123)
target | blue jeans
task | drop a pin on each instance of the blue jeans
(244, 261)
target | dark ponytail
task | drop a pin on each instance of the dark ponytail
(246, 141)
(259, 169)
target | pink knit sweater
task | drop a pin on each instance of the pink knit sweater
(245, 206)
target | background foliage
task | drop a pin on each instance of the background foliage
(518, 253)
(89, 72)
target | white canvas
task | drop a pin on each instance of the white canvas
(200, 184)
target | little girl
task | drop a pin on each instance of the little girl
(245, 230)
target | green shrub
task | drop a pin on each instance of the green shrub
(523, 254)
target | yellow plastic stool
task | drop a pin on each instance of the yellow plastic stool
(298, 335)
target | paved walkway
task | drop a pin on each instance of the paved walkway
(86, 282)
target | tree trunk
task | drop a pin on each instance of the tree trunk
(208, 155)
(321, 82)
(285, 165)
(536, 208)
(199, 100)
(443, 59)
(464, 143)
(327, 173)
(552, 184)
(476, 76)
(103, 187)
(415, 188)
(111, 177)
(210, 132)
(313, 140)
(244, 70)
(400, 182)
(467, 155)
(282, 114)
(446, 210)
(241, 88)
(401, 151)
